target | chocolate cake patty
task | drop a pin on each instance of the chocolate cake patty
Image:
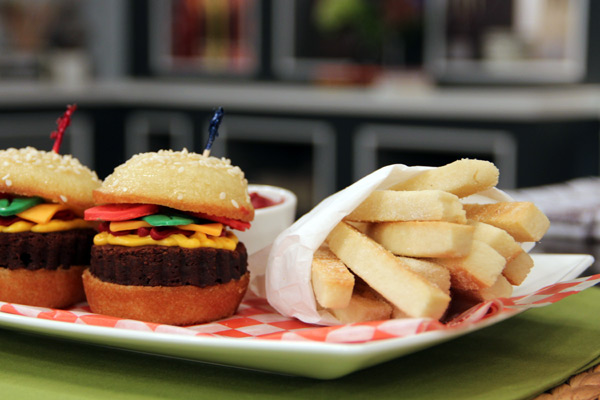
(32, 251)
(167, 266)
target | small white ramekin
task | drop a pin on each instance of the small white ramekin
(270, 221)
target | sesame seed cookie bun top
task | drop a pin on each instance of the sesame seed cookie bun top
(59, 178)
(181, 180)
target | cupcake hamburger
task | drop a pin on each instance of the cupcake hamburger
(166, 251)
(44, 240)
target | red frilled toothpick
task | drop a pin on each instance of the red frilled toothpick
(62, 122)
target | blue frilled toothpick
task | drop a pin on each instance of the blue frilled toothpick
(213, 130)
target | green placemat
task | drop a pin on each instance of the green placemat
(515, 359)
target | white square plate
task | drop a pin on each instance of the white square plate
(306, 358)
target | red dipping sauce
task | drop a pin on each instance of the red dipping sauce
(259, 201)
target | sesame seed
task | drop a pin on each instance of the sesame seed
(63, 198)
(235, 203)
(222, 195)
(181, 169)
(5, 177)
(179, 196)
(8, 182)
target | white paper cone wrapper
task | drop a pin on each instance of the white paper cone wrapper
(286, 280)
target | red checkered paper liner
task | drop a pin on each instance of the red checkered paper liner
(256, 319)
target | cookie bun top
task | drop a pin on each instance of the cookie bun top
(55, 177)
(181, 180)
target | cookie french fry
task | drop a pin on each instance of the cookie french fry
(498, 238)
(500, 288)
(423, 238)
(422, 205)
(518, 268)
(521, 219)
(331, 280)
(365, 305)
(429, 270)
(386, 274)
(462, 178)
(478, 270)
(518, 261)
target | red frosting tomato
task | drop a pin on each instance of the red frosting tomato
(119, 212)
(232, 223)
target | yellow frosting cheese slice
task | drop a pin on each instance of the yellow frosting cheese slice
(19, 226)
(117, 226)
(42, 213)
(59, 225)
(213, 229)
(52, 226)
(198, 239)
(209, 229)
(39, 219)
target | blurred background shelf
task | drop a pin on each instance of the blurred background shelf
(317, 93)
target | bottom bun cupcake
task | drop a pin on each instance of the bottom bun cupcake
(173, 305)
(38, 287)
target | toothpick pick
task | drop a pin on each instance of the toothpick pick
(62, 122)
(213, 130)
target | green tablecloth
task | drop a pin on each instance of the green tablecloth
(515, 359)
